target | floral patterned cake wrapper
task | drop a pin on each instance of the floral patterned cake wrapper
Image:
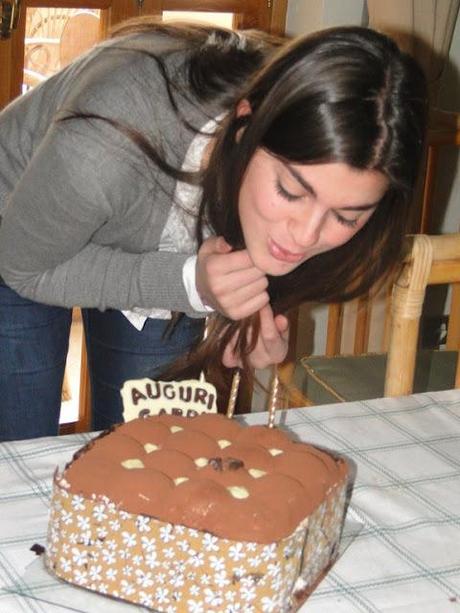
(175, 569)
(321, 544)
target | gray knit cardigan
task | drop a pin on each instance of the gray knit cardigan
(82, 208)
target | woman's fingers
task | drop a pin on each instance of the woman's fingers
(244, 300)
(271, 346)
(228, 281)
(229, 357)
(234, 260)
(282, 323)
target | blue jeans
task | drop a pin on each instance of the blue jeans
(33, 349)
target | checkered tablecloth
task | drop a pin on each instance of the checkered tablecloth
(402, 545)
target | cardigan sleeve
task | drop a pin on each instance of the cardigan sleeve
(78, 186)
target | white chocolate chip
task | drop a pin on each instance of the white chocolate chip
(180, 480)
(200, 462)
(223, 443)
(275, 451)
(132, 463)
(175, 429)
(238, 491)
(257, 473)
(149, 447)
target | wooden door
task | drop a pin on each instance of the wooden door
(51, 32)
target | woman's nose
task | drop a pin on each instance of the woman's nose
(306, 229)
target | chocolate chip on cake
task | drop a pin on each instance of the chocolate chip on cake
(216, 463)
(233, 463)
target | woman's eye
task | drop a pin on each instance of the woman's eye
(350, 223)
(284, 193)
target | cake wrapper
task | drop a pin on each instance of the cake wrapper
(94, 544)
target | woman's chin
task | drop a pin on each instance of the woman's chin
(272, 266)
(276, 268)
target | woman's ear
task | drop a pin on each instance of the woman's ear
(243, 108)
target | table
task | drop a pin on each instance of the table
(402, 545)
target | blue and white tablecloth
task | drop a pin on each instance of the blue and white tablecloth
(401, 551)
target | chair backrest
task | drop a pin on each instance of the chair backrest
(431, 260)
(80, 32)
(54, 37)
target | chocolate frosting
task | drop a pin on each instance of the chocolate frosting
(245, 483)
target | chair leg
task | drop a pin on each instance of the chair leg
(406, 309)
(453, 331)
(84, 409)
(428, 189)
(334, 330)
(363, 317)
(287, 368)
(457, 372)
(290, 396)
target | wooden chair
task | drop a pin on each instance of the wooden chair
(80, 32)
(431, 260)
(444, 130)
(54, 37)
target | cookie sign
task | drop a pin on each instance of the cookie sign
(143, 397)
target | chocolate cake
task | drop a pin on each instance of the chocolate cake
(170, 512)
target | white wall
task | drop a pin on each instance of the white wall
(448, 183)
(305, 16)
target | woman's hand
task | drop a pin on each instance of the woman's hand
(271, 346)
(228, 281)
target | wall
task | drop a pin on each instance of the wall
(448, 184)
(305, 16)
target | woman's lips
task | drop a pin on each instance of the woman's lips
(279, 253)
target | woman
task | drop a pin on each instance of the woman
(287, 169)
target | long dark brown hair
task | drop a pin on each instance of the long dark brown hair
(340, 95)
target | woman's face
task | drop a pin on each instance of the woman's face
(292, 212)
